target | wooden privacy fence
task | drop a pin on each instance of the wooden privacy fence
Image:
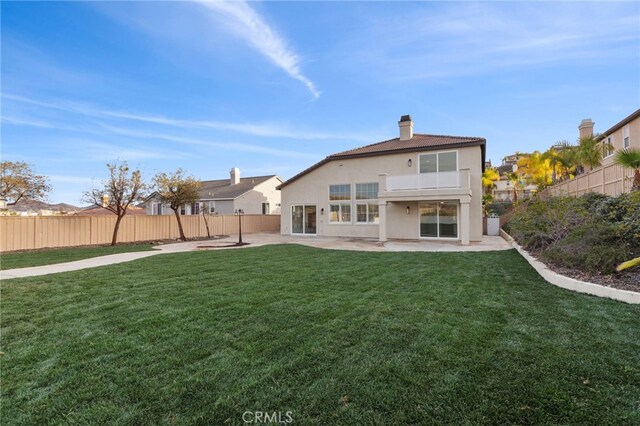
(25, 233)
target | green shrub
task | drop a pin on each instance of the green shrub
(538, 224)
(592, 233)
(593, 247)
(499, 208)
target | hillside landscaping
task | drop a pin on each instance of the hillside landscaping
(585, 237)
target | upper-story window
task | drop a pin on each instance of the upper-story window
(340, 212)
(339, 192)
(366, 203)
(626, 142)
(607, 147)
(439, 162)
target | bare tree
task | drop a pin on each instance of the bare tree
(175, 190)
(206, 211)
(121, 190)
(18, 180)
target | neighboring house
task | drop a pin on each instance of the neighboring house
(503, 191)
(610, 178)
(624, 134)
(411, 187)
(252, 195)
(511, 160)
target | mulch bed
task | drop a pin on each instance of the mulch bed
(625, 280)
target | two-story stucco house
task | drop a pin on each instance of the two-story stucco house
(252, 195)
(416, 186)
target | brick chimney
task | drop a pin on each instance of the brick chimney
(406, 127)
(235, 176)
(586, 128)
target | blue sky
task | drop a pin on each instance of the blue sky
(273, 87)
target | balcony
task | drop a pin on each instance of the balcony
(427, 181)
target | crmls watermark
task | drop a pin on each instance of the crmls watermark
(265, 417)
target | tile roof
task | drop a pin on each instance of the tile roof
(419, 142)
(222, 189)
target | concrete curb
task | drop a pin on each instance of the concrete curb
(571, 283)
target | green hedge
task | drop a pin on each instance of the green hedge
(499, 208)
(592, 233)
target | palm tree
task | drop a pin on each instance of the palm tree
(630, 158)
(489, 176)
(562, 158)
(589, 151)
(514, 180)
(536, 168)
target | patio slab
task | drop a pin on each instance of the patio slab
(263, 239)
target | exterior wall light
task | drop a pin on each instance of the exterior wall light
(408, 210)
(322, 211)
(409, 162)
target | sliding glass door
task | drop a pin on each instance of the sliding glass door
(303, 219)
(439, 219)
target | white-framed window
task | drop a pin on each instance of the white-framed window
(183, 209)
(608, 147)
(195, 208)
(340, 192)
(340, 212)
(366, 203)
(156, 208)
(626, 142)
(265, 208)
(439, 162)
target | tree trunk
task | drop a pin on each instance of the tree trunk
(206, 223)
(114, 239)
(636, 181)
(182, 237)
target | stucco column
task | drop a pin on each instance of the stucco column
(382, 208)
(382, 213)
(465, 221)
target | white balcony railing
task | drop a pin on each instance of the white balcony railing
(441, 180)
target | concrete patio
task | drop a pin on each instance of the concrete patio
(488, 243)
(263, 239)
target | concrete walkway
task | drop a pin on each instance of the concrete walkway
(263, 239)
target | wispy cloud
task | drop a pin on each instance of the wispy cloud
(251, 26)
(254, 129)
(470, 39)
(233, 146)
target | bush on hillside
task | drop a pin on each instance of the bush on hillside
(591, 233)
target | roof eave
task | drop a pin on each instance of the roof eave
(481, 142)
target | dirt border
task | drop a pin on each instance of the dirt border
(572, 283)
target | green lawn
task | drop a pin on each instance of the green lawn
(26, 259)
(334, 337)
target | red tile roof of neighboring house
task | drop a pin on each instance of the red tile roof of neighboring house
(419, 142)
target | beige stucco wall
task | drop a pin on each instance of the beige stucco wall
(617, 139)
(313, 188)
(266, 192)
